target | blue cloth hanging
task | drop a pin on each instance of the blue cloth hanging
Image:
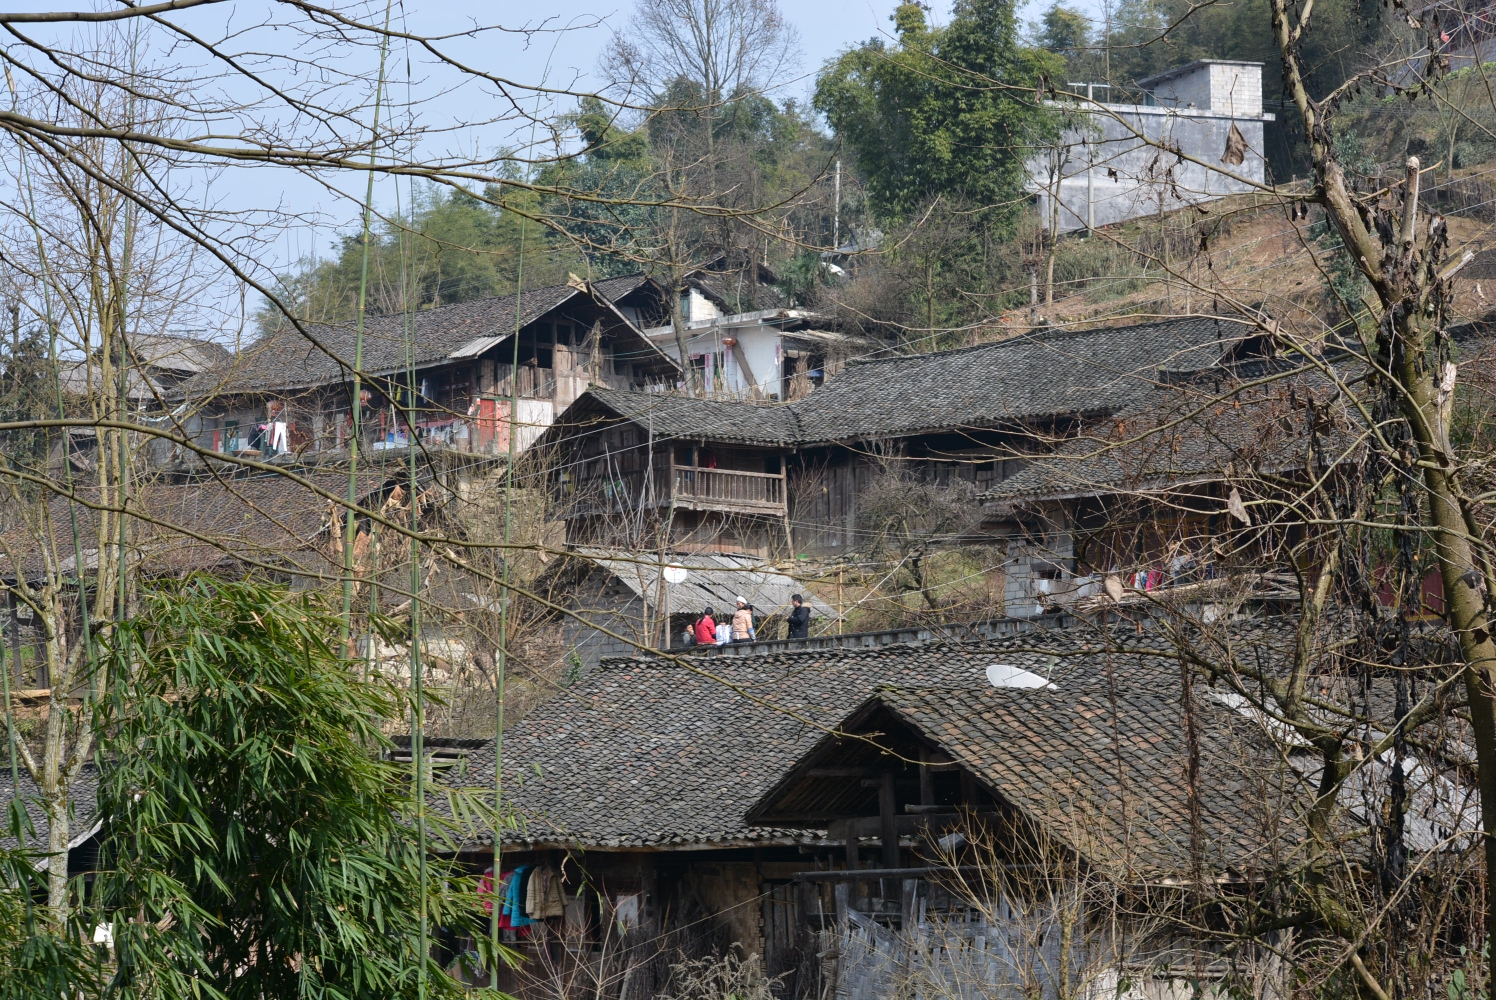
(514, 897)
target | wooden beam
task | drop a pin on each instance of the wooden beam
(753, 387)
(888, 821)
(872, 874)
(843, 772)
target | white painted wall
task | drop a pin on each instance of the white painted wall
(761, 346)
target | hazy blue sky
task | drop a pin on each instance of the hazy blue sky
(569, 59)
(449, 104)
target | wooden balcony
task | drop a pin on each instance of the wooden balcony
(726, 489)
(684, 486)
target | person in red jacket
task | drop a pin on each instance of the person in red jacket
(706, 629)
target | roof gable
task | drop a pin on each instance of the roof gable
(287, 359)
(1101, 771)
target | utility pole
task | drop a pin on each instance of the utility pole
(1090, 158)
(836, 212)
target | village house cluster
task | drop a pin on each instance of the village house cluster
(864, 812)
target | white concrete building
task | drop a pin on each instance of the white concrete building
(1199, 138)
(769, 354)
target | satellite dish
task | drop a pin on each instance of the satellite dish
(676, 574)
(1005, 675)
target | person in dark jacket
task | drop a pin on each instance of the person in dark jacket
(799, 619)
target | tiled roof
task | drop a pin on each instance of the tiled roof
(1112, 784)
(82, 798)
(287, 360)
(1099, 759)
(1191, 433)
(669, 416)
(177, 354)
(647, 753)
(1031, 377)
(1024, 378)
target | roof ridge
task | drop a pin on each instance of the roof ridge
(1041, 335)
(484, 300)
(763, 404)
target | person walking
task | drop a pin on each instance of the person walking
(799, 620)
(706, 629)
(742, 622)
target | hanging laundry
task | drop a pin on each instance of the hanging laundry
(543, 897)
(514, 898)
(485, 889)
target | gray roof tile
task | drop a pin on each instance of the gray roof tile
(1010, 382)
(287, 360)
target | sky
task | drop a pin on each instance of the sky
(569, 59)
(311, 213)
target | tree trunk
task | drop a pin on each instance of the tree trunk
(1404, 276)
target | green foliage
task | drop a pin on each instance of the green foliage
(36, 960)
(1150, 36)
(258, 841)
(740, 154)
(28, 391)
(1454, 125)
(950, 112)
(1459, 983)
(1064, 30)
(1345, 280)
(451, 246)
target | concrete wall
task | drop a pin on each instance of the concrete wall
(1115, 164)
(1223, 86)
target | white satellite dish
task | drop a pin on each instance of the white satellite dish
(676, 574)
(1005, 675)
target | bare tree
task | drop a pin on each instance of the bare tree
(729, 48)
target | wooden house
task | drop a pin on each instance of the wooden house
(815, 808)
(456, 370)
(673, 474)
(868, 822)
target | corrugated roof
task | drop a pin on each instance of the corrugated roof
(713, 579)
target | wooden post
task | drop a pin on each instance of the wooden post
(15, 638)
(841, 620)
(887, 814)
(926, 781)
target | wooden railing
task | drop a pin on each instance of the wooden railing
(727, 488)
(683, 486)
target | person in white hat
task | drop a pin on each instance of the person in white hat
(742, 622)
